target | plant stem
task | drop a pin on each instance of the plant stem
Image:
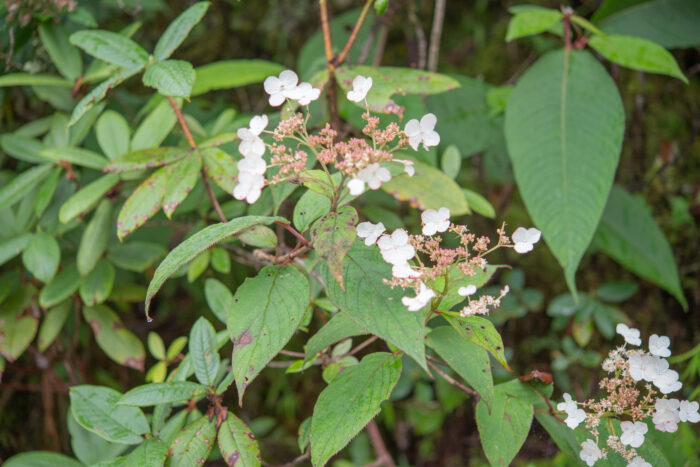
(435, 33)
(353, 34)
(293, 231)
(451, 380)
(328, 47)
(383, 456)
(212, 198)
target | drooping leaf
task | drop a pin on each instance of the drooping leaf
(120, 344)
(22, 184)
(638, 54)
(111, 47)
(156, 126)
(183, 176)
(171, 78)
(94, 240)
(136, 256)
(113, 134)
(16, 335)
(469, 360)
(237, 443)
(429, 188)
(202, 240)
(193, 444)
(178, 30)
(41, 256)
(267, 310)
(143, 203)
(99, 93)
(203, 352)
(162, 393)
(227, 74)
(221, 168)
(629, 234)
(96, 409)
(84, 199)
(349, 402)
(532, 21)
(481, 332)
(64, 56)
(374, 305)
(332, 236)
(565, 118)
(97, 285)
(219, 298)
(61, 287)
(337, 328)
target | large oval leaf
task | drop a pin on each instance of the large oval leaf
(564, 126)
(228, 74)
(111, 47)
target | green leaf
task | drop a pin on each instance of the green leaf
(267, 310)
(337, 328)
(203, 353)
(152, 452)
(51, 324)
(562, 435)
(237, 443)
(31, 79)
(146, 159)
(120, 344)
(504, 430)
(41, 459)
(332, 236)
(178, 30)
(221, 168)
(451, 161)
(156, 126)
(143, 203)
(479, 204)
(638, 54)
(481, 332)
(388, 81)
(162, 393)
(76, 156)
(16, 335)
(565, 118)
(429, 188)
(374, 305)
(458, 279)
(99, 93)
(629, 234)
(219, 298)
(183, 176)
(13, 246)
(41, 256)
(469, 360)
(88, 447)
(61, 287)
(349, 402)
(136, 256)
(95, 238)
(171, 78)
(96, 409)
(310, 207)
(84, 199)
(64, 56)
(97, 286)
(220, 260)
(22, 184)
(113, 134)
(532, 21)
(23, 148)
(616, 292)
(227, 74)
(111, 47)
(669, 23)
(193, 444)
(46, 191)
(202, 240)
(156, 346)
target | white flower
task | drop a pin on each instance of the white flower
(590, 452)
(631, 335)
(633, 433)
(374, 175)
(360, 88)
(525, 239)
(407, 167)
(251, 144)
(421, 299)
(253, 165)
(370, 232)
(688, 412)
(404, 271)
(356, 186)
(307, 94)
(646, 367)
(435, 221)
(658, 345)
(249, 186)
(467, 291)
(638, 462)
(568, 405)
(422, 132)
(395, 248)
(282, 87)
(666, 415)
(667, 381)
(574, 415)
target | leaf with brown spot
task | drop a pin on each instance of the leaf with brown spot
(221, 168)
(146, 159)
(237, 443)
(120, 344)
(182, 178)
(193, 444)
(482, 332)
(332, 236)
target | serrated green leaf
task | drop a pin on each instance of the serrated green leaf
(182, 178)
(332, 236)
(41, 459)
(202, 240)
(374, 305)
(337, 328)
(481, 332)
(41, 256)
(97, 285)
(120, 344)
(111, 47)
(52, 323)
(64, 56)
(113, 134)
(96, 409)
(162, 393)
(564, 119)
(193, 444)
(227, 74)
(61, 287)
(84, 199)
(95, 238)
(237, 443)
(22, 184)
(204, 356)
(532, 21)
(362, 388)
(638, 54)
(267, 310)
(221, 168)
(629, 234)
(136, 256)
(99, 93)
(219, 298)
(143, 203)
(178, 30)
(171, 78)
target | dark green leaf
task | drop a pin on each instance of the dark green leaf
(41, 256)
(51, 324)
(13, 246)
(99, 93)
(178, 30)
(97, 286)
(136, 256)
(339, 327)
(203, 353)
(41, 459)
(95, 237)
(111, 47)
(183, 176)
(22, 184)
(16, 335)
(61, 287)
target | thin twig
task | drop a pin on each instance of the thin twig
(421, 43)
(353, 34)
(183, 124)
(451, 380)
(328, 47)
(383, 456)
(293, 232)
(212, 198)
(361, 346)
(289, 353)
(435, 33)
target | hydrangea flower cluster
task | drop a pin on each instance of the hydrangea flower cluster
(362, 162)
(636, 389)
(418, 260)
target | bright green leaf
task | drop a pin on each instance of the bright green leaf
(532, 21)
(84, 199)
(61, 287)
(171, 78)
(41, 256)
(332, 236)
(111, 47)
(227, 74)
(219, 298)
(52, 323)
(22, 184)
(113, 134)
(64, 56)
(97, 286)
